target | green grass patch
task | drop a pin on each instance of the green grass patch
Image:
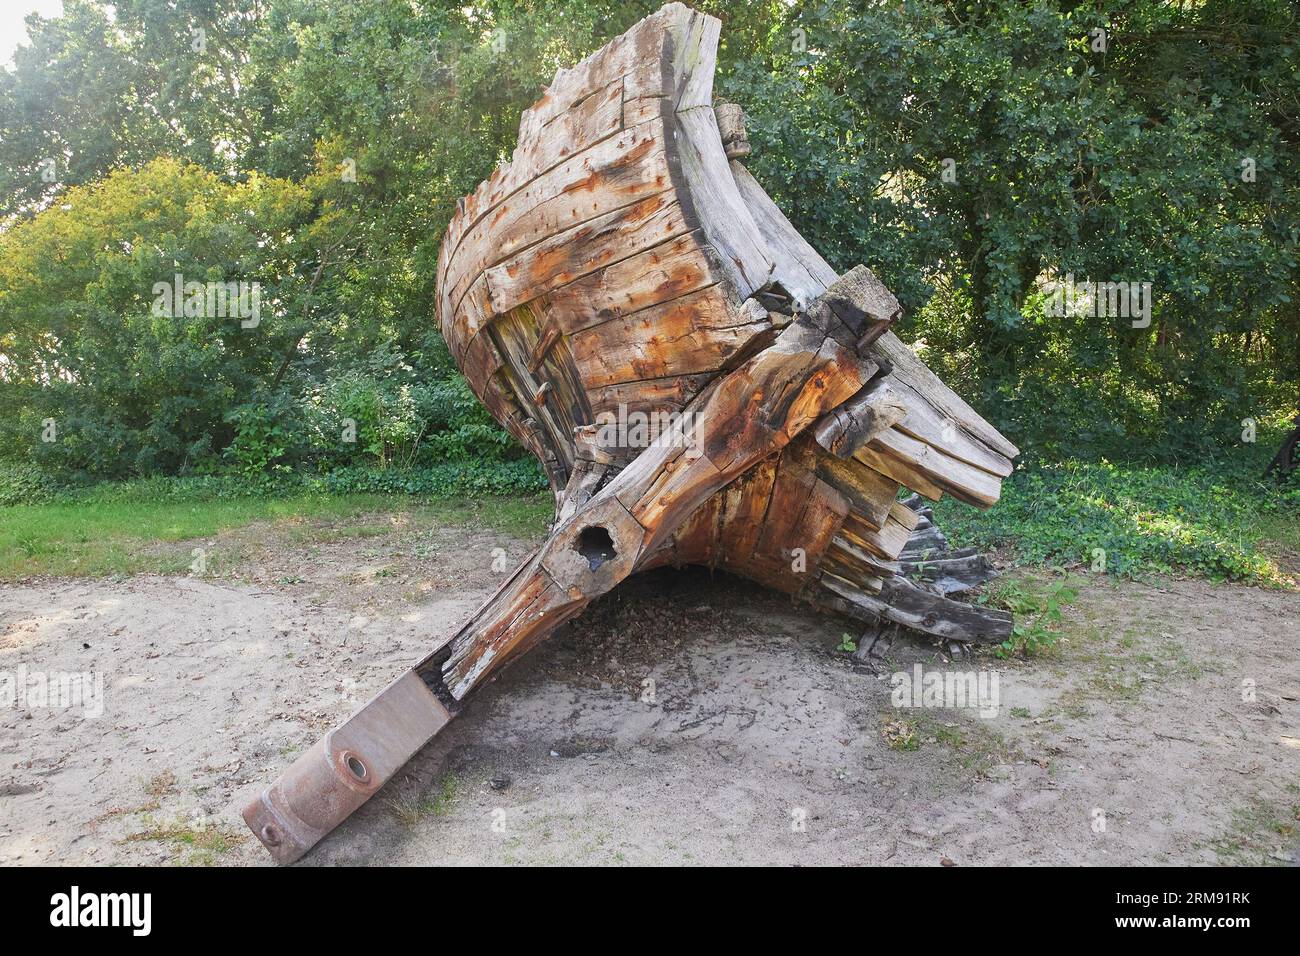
(1221, 521)
(109, 538)
(112, 531)
(1037, 608)
(411, 809)
(1260, 833)
(196, 844)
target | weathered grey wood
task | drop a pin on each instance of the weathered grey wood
(958, 478)
(924, 423)
(884, 542)
(862, 418)
(730, 228)
(874, 642)
(950, 575)
(908, 368)
(904, 603)
(864, 564)
(870, 493)
(880, 459)
(796, 265)
(584, 480)
(931, 540)
(731, 127)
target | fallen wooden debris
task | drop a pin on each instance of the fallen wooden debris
(699, 386)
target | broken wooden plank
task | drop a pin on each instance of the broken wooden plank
(862, 418)
(959, 479)
(904, 603)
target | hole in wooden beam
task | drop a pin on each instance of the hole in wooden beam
(595, 544)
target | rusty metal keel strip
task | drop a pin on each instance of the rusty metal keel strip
(345, 768)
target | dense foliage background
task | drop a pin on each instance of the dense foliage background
(217, 139)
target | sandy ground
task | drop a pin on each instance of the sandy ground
(682, 720)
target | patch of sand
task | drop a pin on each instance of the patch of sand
(681, 720)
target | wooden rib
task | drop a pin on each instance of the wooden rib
(516, 336)
(717, 205)
(473, 317)
(695, 53)
(480, 362)
(905, 516)
(550, 337)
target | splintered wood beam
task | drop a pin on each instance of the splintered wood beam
(914, 590)
(950, 575)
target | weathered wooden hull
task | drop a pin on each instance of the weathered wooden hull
(625, 264)
(615, 264)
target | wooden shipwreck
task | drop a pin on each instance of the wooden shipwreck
(699, 385)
